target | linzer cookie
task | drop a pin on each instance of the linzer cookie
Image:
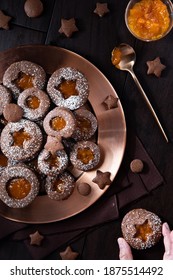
(60, 187)
(141, 228)
(5, 97)
(68, 88)
(86, 125)
(85, 155)
(23, 75)
(21, 140)
(35, 103)
(18, 186)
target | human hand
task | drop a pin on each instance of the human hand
(125, 252)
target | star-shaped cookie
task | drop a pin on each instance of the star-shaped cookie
(155, 67)
(36, 238)
(101, 9)
(111, 102)
(68, 27)
(68, 254)
(102, 179)
(53, 144)
(4, 20)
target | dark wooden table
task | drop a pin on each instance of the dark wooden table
(95, 40)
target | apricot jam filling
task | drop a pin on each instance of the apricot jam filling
(83, 123)
(24, 81)
(85, 155)
(57, 123)
(18, 188)
(149, 19)
(68, 88)
(143, 230)
(58, 186)
(33, 102)
(3, 160)
(53, 161)
(19, 137)
(116, 56)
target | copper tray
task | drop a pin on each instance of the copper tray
(111, 133)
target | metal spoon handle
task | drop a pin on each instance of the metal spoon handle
(148, 103)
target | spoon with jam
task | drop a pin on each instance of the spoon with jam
(123, 58)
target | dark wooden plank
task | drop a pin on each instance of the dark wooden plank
(15, 9)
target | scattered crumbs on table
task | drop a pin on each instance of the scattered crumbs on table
(68, 254)
(101, 9)
(136, 166)
(155, 67)
(111, 102)
(4, 20)
(102, 179)
(36, 238)
(68, 27)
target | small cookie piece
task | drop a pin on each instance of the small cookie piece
(33, 8)
(5, 97)
(141, 228)
(13, 112)
(155, 67)
(4, 20)
(68, 254)
(102, 179)
(36, 238)
(136, 166)
(101, 9)
(84, 189)
(68, 27)
(53, 144)
(111, 102)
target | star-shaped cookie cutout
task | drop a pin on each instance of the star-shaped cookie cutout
(53, 144)
(68, 254)
(101, 9)
(111, 102)
(102, 179)
(36, 238)
(68, 27)
(4, 20)
(155, 67)
(143, 231)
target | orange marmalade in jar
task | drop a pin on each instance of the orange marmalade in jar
(148, 19)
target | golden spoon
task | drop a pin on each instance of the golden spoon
(123, 58)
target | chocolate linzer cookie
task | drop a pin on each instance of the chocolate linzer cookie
(35, 103)
(59, 122)
(68, 88)
(141, 228)
(5, 98)
(22, 75)
(21, 140)
(18, 186)
(52, 164)
(85, 155)
(60, 187)
(86, 125)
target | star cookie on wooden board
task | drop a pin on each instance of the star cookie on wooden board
(155, 67)
(102, 179)
(68, 254)
(101, 9)
(4, 20)
(53, 144)
(36, 238)
(68, 27)
(111, 102)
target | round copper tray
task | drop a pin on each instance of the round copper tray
(111, 133)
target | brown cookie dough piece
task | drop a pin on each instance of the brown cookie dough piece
(13, 112)
(5, 98)
(68, 254)
(155, 67)
(102, 179)
(101, 9)
(33, 8)
(84, 189)
(141, 228)
(68, 27)
(4, 21)
(22, 75)
(18, 186)
(136, 166)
